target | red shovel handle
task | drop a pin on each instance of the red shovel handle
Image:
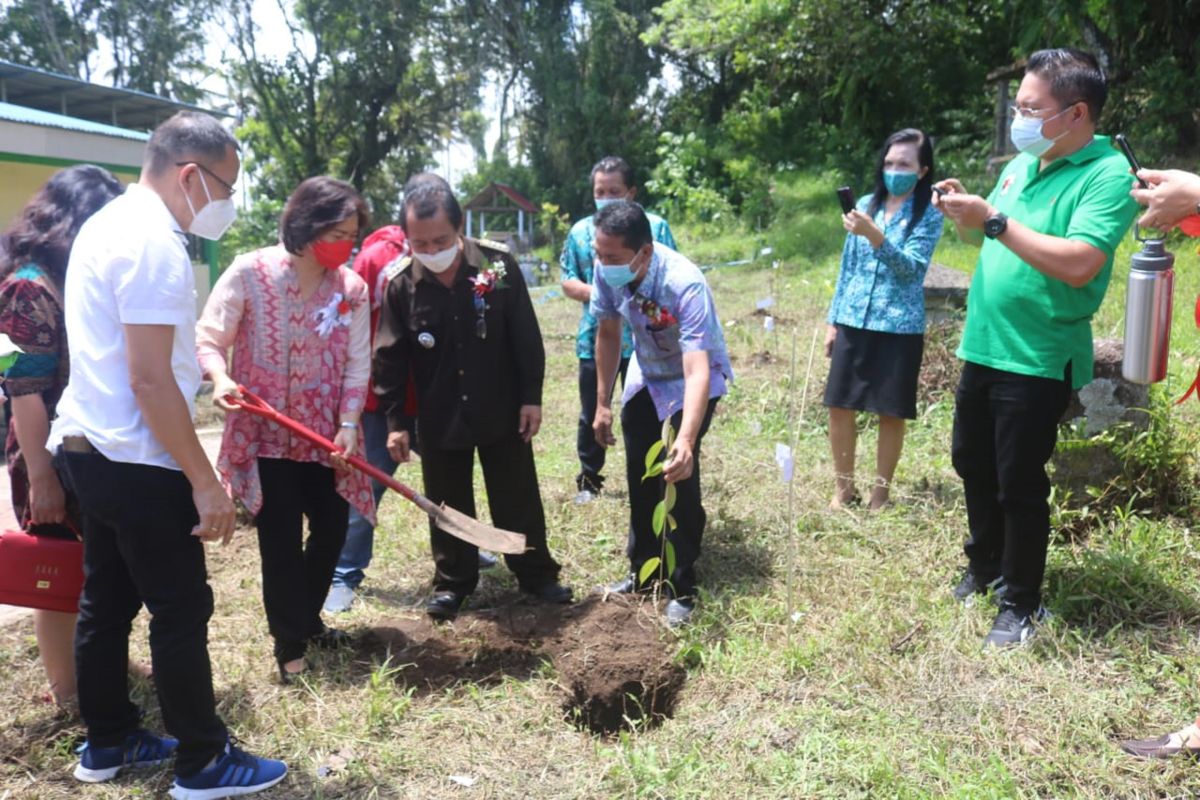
(251, 402)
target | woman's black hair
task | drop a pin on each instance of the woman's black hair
(924, 187)
(46, 228)
(315, 206)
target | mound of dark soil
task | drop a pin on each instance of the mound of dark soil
(612, 662)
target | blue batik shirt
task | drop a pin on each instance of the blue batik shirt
(675, 284)
(884, 290)
(577, 262)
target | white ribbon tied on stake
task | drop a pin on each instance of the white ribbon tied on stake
(783, 457)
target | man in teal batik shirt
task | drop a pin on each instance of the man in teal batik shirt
(612, 180)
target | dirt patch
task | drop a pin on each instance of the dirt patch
(614, 667)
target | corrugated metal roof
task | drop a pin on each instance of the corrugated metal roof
(45, 119)
(107, 105)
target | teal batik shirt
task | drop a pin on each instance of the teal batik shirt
(884, 290)
(577, 262)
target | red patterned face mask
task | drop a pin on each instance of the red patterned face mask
(332, 255)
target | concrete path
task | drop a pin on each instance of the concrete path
(210, 438)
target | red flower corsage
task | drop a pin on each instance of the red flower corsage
(660, 317)
(489, 278)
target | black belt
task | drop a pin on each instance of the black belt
(77, 444)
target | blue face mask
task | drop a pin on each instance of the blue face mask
(899, 183)
(601, 202)
(1026, 134)
(616, 275)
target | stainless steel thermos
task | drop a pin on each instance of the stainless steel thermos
(1148, 313)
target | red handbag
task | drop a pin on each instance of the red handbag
(40, 571)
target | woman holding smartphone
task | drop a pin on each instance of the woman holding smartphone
(875, 338)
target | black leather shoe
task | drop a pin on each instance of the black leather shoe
(331, 639)
(553, 592)
(444, 605)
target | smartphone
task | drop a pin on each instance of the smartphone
(1123, 143)
(846, 196)
(939, 191)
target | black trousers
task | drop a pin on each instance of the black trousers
(297, 572)
(138, 548)
(641, 428)
(1005, 429)
(510, 478)
(591, 454)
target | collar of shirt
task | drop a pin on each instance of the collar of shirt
(152, 204)
(472, 259)
(651, 284)
(1099, 146)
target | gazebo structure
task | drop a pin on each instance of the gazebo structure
(504, 206)
(50, 121)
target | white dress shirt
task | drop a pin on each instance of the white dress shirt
(128, 266)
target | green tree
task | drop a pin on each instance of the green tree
(50, 34)
(369, 91)
(576, 82)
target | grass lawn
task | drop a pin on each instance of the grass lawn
(827, 659)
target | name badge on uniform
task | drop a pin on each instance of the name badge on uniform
(426, 340)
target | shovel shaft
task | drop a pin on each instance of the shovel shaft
(256, 405)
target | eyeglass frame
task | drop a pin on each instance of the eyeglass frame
(229, 186)
(1016, 111)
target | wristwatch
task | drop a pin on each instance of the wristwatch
(995, 225)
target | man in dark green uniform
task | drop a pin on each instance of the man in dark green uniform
(458, 314)
(1048, 232)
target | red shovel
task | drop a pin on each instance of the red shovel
(448, 519)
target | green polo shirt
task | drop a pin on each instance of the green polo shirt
(1019, 319)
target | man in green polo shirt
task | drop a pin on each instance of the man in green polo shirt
(1047, 234)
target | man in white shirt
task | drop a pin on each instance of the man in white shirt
(148, 495)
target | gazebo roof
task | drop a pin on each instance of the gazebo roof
(487, 198)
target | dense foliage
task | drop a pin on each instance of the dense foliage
(707, 98)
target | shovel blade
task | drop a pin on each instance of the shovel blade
(472, 530)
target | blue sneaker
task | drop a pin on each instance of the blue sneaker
(234, 774)
(140, 749)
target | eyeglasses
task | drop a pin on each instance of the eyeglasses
(1025, 112)
(228, 186)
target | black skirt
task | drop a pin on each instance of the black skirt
(875, 372)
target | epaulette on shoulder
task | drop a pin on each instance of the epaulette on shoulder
(490, 245)
(397, 266)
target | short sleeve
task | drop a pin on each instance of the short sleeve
(1105, 211)
(664, 236)
(695, 314)
(604, 303)
(31, 318)
(154, 286)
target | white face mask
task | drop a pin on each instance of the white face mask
(438, 262)
(215, 218)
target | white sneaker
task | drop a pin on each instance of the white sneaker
(585, 496)
(339, 599)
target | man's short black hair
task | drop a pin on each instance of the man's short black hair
(614, 164)
(1075, 76)
(187, 136)
(627, 220)
(315, 206)
(424, 194)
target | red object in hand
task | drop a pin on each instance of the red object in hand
(1190, 225)
(40, 571)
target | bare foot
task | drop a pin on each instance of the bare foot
(844, 498)
(879, 498)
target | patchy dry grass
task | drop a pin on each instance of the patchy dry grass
(874, 685)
